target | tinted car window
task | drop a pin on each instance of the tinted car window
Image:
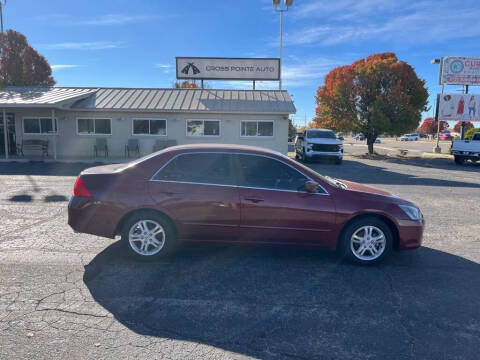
(264, 172)
(206, 168)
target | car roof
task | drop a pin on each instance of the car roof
(220, 147)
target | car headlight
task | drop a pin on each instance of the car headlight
(413, 212)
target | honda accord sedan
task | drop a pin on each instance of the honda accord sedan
(238, 195)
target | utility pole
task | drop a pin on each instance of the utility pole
(276, 4)
(2, 4)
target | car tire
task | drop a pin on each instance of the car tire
(358, 234)
(459, 160)
(304, 158)
(148, 236)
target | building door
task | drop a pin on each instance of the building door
(10, 134)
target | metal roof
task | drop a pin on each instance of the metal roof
(14, 96)
(151, 100)
(189, 100)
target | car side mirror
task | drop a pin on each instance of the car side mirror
(311, 186)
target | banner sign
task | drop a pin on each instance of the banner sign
(228, 68)
(460, 70)
(455, 107)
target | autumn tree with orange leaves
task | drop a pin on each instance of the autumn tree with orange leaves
(20, 64)
(376, 95)
(430, 126)
(458, 126)
(185, 85)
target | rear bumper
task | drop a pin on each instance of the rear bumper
(469, 154)
(410, 234)
(85, 215)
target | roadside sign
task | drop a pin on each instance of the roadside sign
(455, 107)
(455, 70)
(208, 68)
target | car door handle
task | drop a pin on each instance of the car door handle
(254, 200)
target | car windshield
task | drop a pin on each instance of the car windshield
(320, 134)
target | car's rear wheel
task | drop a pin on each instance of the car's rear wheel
(459, 159)
(367, 240)
(148, 236)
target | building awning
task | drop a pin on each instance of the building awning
(56, 97)
(152, 100)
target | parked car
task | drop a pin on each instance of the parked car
(378, 140)
(409, 137)
(340, 136)
(360, 137)
(318, 143)
(423, 136)
(463, 150)
(445, 136)
(238, 195)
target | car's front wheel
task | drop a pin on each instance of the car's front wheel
(148, 236)
(367, 240)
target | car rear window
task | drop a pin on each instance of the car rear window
(203, 168)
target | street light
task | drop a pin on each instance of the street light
(437, 148)
(276, 4)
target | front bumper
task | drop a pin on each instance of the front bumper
(322, 154)
(410, 234)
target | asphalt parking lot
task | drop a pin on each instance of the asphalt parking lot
(66, 295)
(392, 146)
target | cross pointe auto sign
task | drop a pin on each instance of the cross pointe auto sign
(460, 70)
(228, 68)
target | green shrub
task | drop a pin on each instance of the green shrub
(469, 133)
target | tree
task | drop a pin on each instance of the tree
(20, 64)
(376, 95)
(469, 133)
(185, 85)
(429, 126)
(458, 126)
(292, 130)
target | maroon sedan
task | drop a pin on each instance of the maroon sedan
(238, 194)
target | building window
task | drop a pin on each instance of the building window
(203, 127)
(255, 128)
(42, 125)
(149, 127)
(94, 126)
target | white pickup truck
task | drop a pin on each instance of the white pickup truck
(467, 149)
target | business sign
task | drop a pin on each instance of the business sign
(455, 107)
(228, 68)
(460, 70)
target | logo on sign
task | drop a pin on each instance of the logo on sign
(456, 66)
(189, 66)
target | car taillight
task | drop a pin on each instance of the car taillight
(79, 189)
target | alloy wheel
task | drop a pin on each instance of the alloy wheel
(146, 237)
(368, 243)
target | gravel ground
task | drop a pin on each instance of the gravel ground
(66, 295)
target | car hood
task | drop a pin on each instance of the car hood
(353, 186)
(324, 141)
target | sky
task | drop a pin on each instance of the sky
(134, 43)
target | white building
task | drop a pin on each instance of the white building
(69, 120)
